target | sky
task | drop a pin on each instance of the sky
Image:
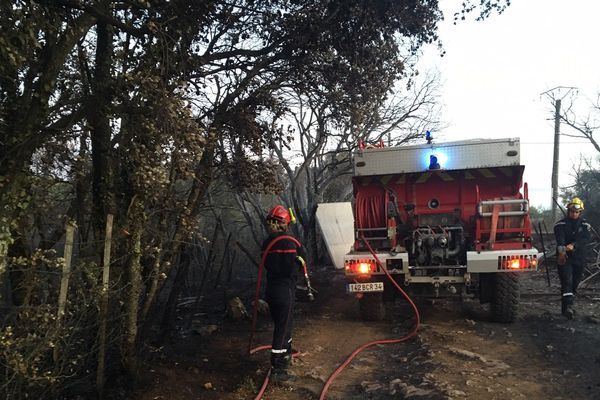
(495, 71)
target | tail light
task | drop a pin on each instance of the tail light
(517, 262)
(360, 267)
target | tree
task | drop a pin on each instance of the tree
(586, 185)
(322, 147)
(33, 53)
(136, 107)
(583, 126)
(483, 10)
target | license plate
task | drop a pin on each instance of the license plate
(365, 287)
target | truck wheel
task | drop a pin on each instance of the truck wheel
(505, 300)
(372, 307)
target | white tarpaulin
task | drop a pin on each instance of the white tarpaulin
(337, 226)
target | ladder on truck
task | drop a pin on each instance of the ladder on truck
(503, 224)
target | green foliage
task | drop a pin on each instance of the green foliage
(41, 356)
(483, 10)
(541, 216)
(27, 353)
(538, 212)
(586, 187)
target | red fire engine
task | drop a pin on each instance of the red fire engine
(449, 218)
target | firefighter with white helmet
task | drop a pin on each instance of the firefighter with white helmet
(572, 233)
(283, 263)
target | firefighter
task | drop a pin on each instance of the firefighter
(572, 236)
(283, 264)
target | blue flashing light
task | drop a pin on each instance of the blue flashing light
(435, 160)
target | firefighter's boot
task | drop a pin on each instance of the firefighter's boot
(281, 376)
(280, 364)
(569, 313)
(288, 357)
(567, 310)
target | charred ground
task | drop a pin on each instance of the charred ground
(458, 353)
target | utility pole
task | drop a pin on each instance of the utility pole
(555, 159)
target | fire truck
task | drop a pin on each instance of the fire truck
(442, 219)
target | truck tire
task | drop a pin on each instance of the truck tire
(506, 296)
(372, 307)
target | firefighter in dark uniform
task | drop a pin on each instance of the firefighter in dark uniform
(284, 264)
(572, 234)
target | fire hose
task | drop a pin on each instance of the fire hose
(381, 341)
(256, 296)
(349, 359)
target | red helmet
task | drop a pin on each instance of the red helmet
(279, 213)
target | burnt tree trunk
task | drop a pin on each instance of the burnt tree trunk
(170, 312)
(100, 132)
(136, 219)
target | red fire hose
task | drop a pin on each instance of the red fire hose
(382, 341)
(255, 307)
(348, 360)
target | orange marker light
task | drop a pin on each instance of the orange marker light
(534, 262)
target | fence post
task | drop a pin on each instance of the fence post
(102, 315)
(64, 280)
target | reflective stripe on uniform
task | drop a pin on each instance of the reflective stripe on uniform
(567, 294)
(275, 351)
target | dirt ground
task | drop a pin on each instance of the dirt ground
(458, 352)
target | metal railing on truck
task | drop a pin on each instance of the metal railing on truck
(503, 224)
